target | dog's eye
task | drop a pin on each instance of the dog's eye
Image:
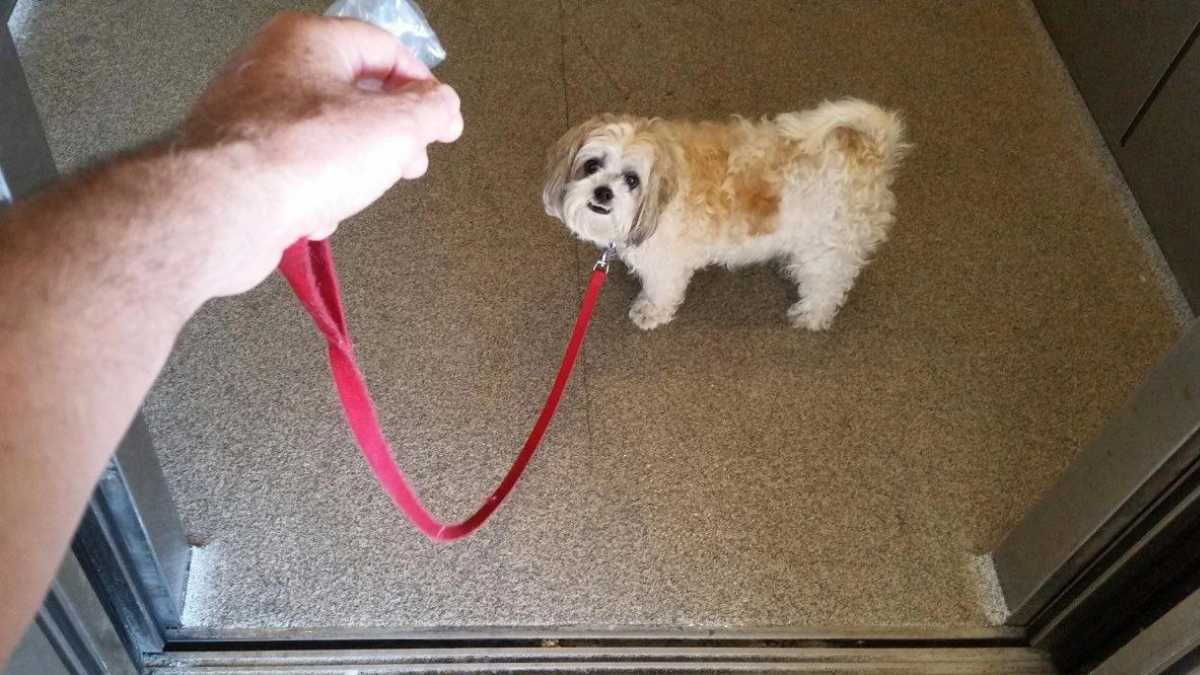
(632, 180)
(592, 166)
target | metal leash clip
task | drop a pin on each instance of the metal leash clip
(605, 258)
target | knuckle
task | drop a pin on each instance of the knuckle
(285, 19)
(293, 22)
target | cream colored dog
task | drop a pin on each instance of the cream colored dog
(811, 189)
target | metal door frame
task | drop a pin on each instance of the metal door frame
(1120, 527)
(1141, 452)
(1172, 642)
(72, 633)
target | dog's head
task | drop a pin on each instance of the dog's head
(609, 179)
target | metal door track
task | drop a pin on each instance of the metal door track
(960, 652)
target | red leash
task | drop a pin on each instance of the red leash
(308, 267)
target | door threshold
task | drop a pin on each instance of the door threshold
(197, 638)
(930, 651)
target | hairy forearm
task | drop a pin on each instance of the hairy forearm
(97, 276)
(99, 273)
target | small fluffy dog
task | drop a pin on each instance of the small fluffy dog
(810, 189)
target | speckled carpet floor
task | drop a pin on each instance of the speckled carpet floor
(724, 470)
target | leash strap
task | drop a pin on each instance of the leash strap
(308, 268)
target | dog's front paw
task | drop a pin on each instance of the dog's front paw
(814, 318)
(648, 316)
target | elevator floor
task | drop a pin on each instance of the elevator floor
(725, 470)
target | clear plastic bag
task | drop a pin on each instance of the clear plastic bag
(400, 18)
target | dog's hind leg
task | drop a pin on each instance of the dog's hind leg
(824, 278)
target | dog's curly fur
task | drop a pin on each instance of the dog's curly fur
(811, 189)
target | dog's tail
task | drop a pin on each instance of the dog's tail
(861, 131)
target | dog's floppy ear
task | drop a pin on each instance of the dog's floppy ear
(559, 162)
(659, 190)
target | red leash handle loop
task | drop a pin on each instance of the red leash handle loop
(308, 268)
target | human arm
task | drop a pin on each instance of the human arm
(99, 273)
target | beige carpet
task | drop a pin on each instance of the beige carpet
(724, 470)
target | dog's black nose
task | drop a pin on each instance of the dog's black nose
(603, 194)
